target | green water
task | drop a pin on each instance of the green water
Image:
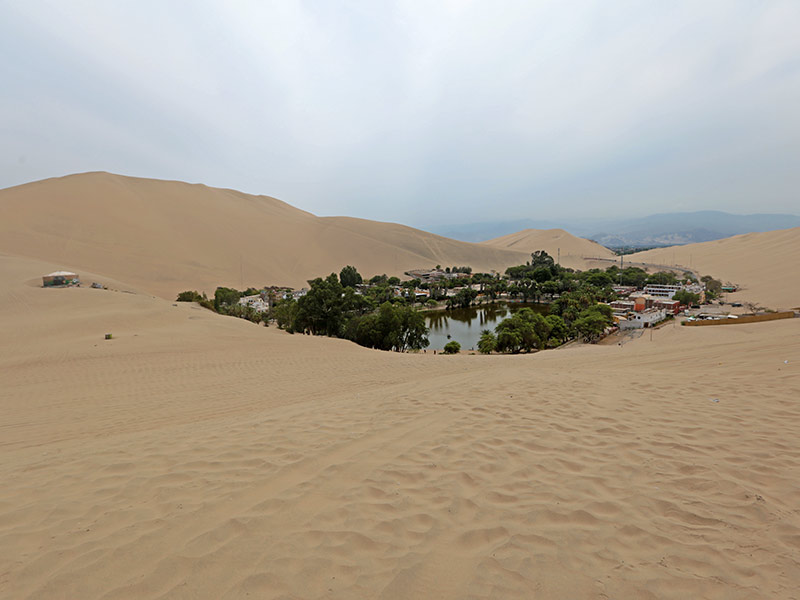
(464, 325)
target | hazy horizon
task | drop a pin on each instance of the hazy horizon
(412, 112)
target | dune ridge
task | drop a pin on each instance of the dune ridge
(763, 264)
(169, 236)
(575, 252)
(196, 455)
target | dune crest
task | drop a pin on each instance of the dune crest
(575, 252)
(169, 236)
(763, 264)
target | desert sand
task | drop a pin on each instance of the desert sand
(201, 456)
(765, 265)
(575, 252)
(170, 236)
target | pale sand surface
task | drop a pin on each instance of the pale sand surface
(764, 264)
(170, 236)
(199, 456)
(575, 252)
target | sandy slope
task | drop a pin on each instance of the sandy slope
(574, 250)
(168, 236)
(199, 456)
(764, 264)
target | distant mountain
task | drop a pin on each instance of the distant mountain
(665, 229)
(671, 229)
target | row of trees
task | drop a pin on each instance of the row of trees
(226, 302)
(333, 309)
(525, 330)
(574, 314)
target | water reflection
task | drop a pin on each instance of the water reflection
(464, 325)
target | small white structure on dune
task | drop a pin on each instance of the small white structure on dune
(60, 278)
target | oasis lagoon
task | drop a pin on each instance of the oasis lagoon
(464, 325)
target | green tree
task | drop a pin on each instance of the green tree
(592, 322)
(452, 347)
(413, 330)
(663, 278)
(320, 311)
(570, 304)
(463, 298)
(541, 274)
(713, 289)
(558, 329)
(633, 276)
(686, 297)
(541, 258)
(226, 297)
(350, 277)
(508, 340)
(285, 314)
(524, 330)
(189, 296)
(599, 279)
(393, 327)
(378, 279)
(488, 342)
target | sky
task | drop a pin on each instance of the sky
(419, 112)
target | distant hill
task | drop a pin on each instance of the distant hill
(169, 236)
(573, 251)
(655, 230)
(479, 232)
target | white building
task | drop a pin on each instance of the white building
(256, 302)
(646, 318)
(662, 291)
(297, 294)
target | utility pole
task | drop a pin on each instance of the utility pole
(558, 262)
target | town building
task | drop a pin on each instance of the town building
(622, 306)
(426, 274)
(672, 307)
(639, 320)
(662, 291)
(623, 290)
(256, 302)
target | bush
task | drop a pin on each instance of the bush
(452, 347)
(189, 296)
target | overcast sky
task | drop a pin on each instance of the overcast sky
(417, 112)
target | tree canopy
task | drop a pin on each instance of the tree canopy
(350, 277)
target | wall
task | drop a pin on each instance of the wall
(746, 319)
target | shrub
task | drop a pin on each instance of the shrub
(452, 347)
(189, 296)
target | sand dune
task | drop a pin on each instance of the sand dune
(764, 264)
(200, 456)
(574, 251)
(168, 236)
